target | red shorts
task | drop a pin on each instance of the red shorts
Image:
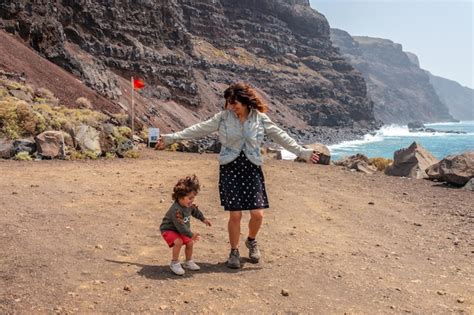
(171, 236)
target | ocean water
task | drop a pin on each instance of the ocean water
(391, 138)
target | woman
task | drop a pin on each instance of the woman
(242, 126)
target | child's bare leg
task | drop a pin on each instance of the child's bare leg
(188, 250)
(178, 243)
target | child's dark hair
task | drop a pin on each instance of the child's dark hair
(184, 186)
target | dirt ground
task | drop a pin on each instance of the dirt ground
(83, 237)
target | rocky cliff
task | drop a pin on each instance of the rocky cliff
(458, 98)
(188, 51)
(401, 91)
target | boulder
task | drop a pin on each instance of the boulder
(454, 169)
(469, 185)
(50, 144)
(6, 149)
(106, 140)
(87, 138)
(24, 145)
(357, 162)
(124, 146)
(21, 95)
(411, 162)
(415, 125)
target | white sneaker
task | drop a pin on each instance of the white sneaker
(191, 265)
(177, 269)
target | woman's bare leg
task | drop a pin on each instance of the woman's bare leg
(234, 228)
(256, 219)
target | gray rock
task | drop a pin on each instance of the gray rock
(50, 144)
(454, 169)
(87, 139)
(411, 162)
(6, 149)
(24, 145)
(469, 185)
(358, 162)
(22, 95)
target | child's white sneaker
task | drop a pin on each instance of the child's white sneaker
(176, 268)
(191, 265)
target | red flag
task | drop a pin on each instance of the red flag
(138, 84)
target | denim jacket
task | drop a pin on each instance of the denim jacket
(236, 136)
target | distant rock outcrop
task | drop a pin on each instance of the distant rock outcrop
(188, 51)
(401, 91)
(458, 98)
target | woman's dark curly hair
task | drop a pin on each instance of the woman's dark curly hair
(245, 94)
(185, 186)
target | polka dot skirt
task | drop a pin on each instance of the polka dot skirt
(242, 186)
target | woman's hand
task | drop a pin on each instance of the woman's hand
(314, 158)
(160, 145)
(196, 237)
(207, 222)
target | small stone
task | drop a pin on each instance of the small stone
(127, 288)
(441, 292)
(98, 246)
(405, 194)
(163, 307)
(14, 193)
(371, 203)
(460, 300)
(162, 200)
(456, 241)
(417, 224)
(285, 292)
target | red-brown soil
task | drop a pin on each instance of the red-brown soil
(83, 237)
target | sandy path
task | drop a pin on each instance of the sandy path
(83, 237)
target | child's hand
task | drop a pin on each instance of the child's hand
(196, 237)
(207, 222)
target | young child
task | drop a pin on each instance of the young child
(176, 225)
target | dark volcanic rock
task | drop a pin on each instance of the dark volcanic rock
(189, 50)
(401, 91)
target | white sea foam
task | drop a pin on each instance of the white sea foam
(388, 132)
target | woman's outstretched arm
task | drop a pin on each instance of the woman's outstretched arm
(198, 130)
(282, 138)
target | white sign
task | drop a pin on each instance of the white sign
(153, 135)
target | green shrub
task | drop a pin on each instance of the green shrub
(76, 155)
(132, 154)
(173, 147)
(121, 118)
(380, 163)
(23, 156)
(110, 155)
(91, 155)
(83, 102)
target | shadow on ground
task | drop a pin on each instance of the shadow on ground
(162, 272)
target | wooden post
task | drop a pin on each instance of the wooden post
(132, 114)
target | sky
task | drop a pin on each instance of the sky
(439, 32)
